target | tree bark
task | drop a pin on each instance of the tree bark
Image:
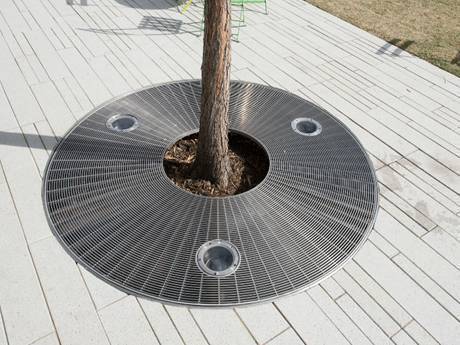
(212, 161)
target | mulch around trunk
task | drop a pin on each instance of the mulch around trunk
(248, 160)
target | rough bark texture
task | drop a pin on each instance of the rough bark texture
(212, 162)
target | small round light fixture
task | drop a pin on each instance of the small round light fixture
(218, 258)
(306, 126)
(122, 123)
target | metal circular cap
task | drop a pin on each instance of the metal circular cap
(306, 126)
(122, 123)
(112, 207)
(218, 258)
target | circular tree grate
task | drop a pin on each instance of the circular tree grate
(113, 208)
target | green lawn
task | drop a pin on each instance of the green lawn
(429, 29)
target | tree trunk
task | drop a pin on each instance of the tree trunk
(212, 162)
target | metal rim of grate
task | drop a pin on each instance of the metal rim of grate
(114, 210)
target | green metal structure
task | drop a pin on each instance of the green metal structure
(240, 22)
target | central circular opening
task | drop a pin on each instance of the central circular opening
(306, 126)
(249, 164)
(122, 123)
(218, 258)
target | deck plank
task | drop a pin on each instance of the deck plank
(73, 311)
(414, 220)
(319, 329)
(364, 322)
(264, 322)
(444, 244)
(332, 288)
(24, 183)
(421, 200)
(439, 323)
(375, 312)
(287, 337)
(436, 291)
(436, 169)
(21, 99)
(402, 338)
(54, 107)
(50, 339)
(187, 326)
(161, 323)
(418, 251)
(125, 323)
(353, 334)
(382, 297)
(419, 334)
(101, 293)
(222, 327)
(23, 306)
(3, 337)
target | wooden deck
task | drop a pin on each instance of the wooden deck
(58, 61)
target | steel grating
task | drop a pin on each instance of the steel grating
(114, 210)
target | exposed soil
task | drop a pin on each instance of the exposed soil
(248, 160)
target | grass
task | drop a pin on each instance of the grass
(429, 29)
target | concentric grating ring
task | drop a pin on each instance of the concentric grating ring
(113, 208)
